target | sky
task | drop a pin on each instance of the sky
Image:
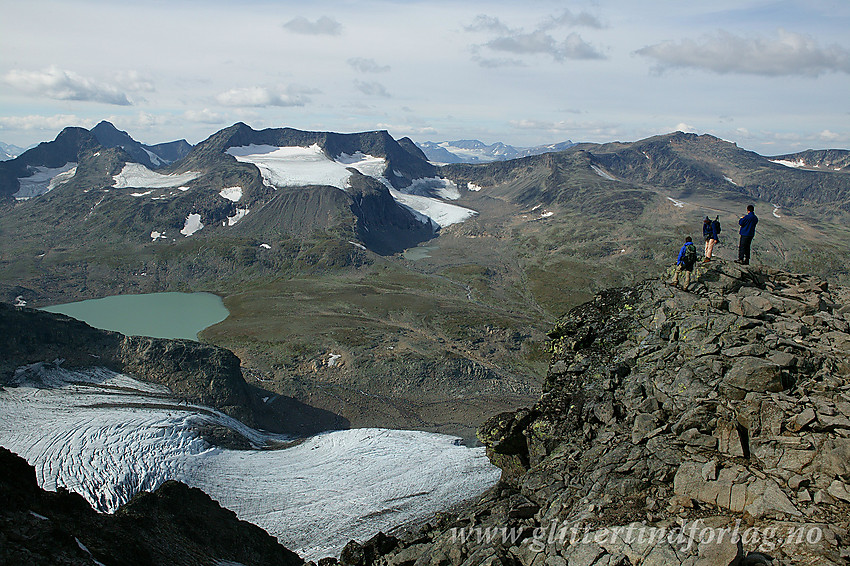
(772, 76)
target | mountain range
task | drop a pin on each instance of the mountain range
(358, 245)
(474, 151)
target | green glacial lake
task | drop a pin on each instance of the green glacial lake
(161, 315)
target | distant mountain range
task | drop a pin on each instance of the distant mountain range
(8, 151)
(474, 151)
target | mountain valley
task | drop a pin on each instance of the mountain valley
(432, 322)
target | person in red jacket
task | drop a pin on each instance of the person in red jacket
(748, 230)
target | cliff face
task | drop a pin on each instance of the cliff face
(174, 525)
(666, 418)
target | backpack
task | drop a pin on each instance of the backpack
(716, 225)
(690, 257)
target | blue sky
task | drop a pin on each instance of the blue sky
(772, 76)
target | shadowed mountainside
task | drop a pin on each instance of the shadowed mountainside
(174, 525)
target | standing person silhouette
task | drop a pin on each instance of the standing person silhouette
(709, 233)
(748, 230)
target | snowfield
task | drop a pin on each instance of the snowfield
(138, 176)
(433, 187)
(233, 194)
(237, 216)
(192, 225)
(787, 163)
(432, 210)
(296, 166)
(43, 180)
(602, 173)
(106, 436)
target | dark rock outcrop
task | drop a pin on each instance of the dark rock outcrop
(174, 525)
(671, 422)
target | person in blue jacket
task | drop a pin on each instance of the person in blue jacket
(748, 230)
(685, 263)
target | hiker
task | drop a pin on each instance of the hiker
(709, 232)
(748, 230)
(685, 263)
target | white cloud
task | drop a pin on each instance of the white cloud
(34, 122)
(829, 136)
(65, 85)
(495, 63)
(367, 65)
(569, 19)
(205, 116)
(135, 81)
(371, 88)
(787, 53)
(483, 22)
(406, 130)
(573, 47)
(537, 41)
(683, 127)
(584, 131)
(322, 26)
(262, 96)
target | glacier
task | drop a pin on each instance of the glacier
(106, 436)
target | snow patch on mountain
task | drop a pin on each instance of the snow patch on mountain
(436, 211)
(787, 163)
(106, 436)
(301, 166)
(602, 173)
(433, 187)
(192, 225)
(237, 216)
(364, 163)
(138, 176)
(296, 166)
(43, 180)
(233, 194)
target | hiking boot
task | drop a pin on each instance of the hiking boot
(706, 260)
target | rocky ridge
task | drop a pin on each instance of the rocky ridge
(708, 427)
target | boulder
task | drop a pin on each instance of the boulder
(752, 374)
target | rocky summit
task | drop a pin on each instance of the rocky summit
(709, 427)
